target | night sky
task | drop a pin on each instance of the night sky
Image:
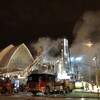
(27, 20)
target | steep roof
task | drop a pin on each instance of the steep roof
(15, 58)
(5, 51)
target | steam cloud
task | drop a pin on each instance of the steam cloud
(87, 29)
(53, 54)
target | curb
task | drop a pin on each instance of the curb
(87, 92)
(64, 96)
(6, 94)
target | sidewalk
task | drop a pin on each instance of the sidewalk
(77, 93)
(86, 91)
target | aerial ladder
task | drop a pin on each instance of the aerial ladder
(31, 67)
(28, 70)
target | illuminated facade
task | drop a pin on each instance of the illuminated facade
(63, 67)
(15, 58)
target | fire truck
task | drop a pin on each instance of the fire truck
(46, 83)
(5, 85)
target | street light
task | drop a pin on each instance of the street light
(96, 69)
(89, 44)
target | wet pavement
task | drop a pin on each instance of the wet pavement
(76, 94)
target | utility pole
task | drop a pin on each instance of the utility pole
(96, 70)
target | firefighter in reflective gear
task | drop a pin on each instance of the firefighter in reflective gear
(92, 85)
(87, 86)
(64, 86)
(9, 87)
(82, 85)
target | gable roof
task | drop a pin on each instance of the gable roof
(13, 57)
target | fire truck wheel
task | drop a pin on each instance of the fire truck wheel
(4, 90)
(47, 90)
(68, 89)
(34, 93)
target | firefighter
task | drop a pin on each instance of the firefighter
(87, 86)
(82, 85)
(12, 88)
(92, 85)
(64, 86)
(9, 87)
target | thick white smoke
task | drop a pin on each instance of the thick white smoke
(86, 30)
(45, 42)
(88, 27)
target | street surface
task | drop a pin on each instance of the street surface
(75, 95)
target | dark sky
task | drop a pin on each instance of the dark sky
(27, 20)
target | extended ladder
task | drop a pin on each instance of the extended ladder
(31, 67)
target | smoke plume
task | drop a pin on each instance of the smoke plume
(86, 30)
(45, 42)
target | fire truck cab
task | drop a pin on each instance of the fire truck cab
(46, 84)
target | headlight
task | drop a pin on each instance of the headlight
(15, 88)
